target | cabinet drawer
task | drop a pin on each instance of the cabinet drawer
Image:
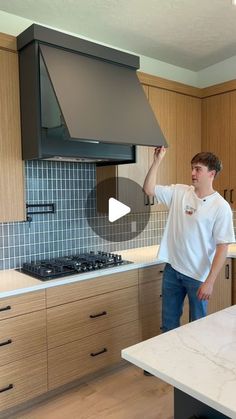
(72, 321)
(22, 304)
(69, 362)
(22, 336)
(90, 287)
(23, 380)
(151, 274)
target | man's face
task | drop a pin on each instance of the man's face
(201, 175)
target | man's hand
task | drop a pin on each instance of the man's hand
(150, 180)
(205, 290)
(159, 153)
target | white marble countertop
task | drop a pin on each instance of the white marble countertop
(13, 282)
(198, 358)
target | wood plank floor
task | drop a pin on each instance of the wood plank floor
(124, 393)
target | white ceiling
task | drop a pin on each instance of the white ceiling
(193, 34)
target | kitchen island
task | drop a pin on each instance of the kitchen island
(199, 360)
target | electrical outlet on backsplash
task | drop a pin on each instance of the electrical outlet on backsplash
(65, 231)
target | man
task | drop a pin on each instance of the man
(195, 241)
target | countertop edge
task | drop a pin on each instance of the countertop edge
(166, 378)
(76, 278)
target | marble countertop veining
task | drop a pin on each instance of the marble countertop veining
(13, 282)
(198, 358)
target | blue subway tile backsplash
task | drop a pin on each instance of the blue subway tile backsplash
(65, 232)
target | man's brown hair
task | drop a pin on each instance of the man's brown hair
(210, 160)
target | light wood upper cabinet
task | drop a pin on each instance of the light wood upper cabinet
(216, 136)
(135, 172)
(188, 133)
(163, 103)
(179, 117)
(232, 154)
(12, 206)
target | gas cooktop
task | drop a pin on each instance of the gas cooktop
(71, 265)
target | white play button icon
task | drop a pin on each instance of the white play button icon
(116, 210)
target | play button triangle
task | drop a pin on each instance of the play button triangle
(116, 210)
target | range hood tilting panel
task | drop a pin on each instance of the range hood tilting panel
(80, 107)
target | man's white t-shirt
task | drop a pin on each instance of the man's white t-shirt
(194, 227)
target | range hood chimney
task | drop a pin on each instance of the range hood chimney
(81, 101)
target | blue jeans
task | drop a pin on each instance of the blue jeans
(175, 287)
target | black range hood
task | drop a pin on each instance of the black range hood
(81, 101)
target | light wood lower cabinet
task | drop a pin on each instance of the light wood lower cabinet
(93, 322)
(222, 292)
(72, 321)
(22, 380)
(23, 348)
(86, 326)
(186, 315)
(76, 359)
(233, 281)
(22, 336)
(150, 302)
(90, 288)
(150, 284)
(21, 304)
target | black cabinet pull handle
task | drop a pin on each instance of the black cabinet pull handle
(93, 316)
(161, 272)
(146, 200)
(225, 192)
(6, 342)
(160, 295)
(227, 271)
(99, 353)
(5, 308)
(6, 388)
(231, 196)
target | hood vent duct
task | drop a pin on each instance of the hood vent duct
(81, 101)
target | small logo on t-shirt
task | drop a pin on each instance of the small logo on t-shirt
(189, 210)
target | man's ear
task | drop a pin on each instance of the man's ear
(213, 173)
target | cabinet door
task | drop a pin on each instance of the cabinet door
(232, 165)
(216, 136)
(185, 316)
(12, 207)
(134, 171)
(188, 131)
(233, 261)
(150, 283)
(163, 103)
(222, 292)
